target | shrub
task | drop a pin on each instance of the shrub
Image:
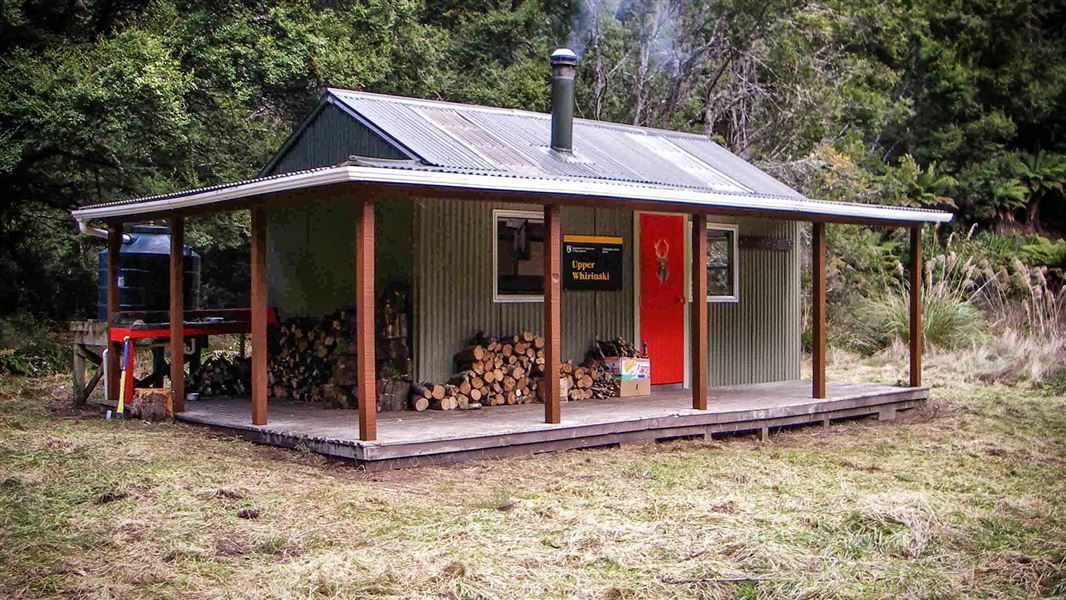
(30, 346)
(950, 317)
(1039, 250)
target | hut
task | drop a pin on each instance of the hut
(433, 223)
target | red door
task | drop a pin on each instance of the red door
(662, 295)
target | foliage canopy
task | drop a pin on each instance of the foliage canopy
(960, 106)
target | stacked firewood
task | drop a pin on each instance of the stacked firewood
(314, 360)
(616, 347)
(509, 369)
(490, 372)
(220, 376)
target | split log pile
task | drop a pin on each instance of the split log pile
(509, 370)
(490, 372)
(221, 376)
(313, 360)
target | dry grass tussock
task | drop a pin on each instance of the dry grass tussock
(980, 324)
(963, 498)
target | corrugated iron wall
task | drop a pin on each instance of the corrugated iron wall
(453, 284)
(330, 139)
(310, 254)
(758, 338)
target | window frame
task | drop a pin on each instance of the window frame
(735, 229)
(497, 298)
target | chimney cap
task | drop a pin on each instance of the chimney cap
(564, 56)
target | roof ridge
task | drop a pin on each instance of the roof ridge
(520, 112)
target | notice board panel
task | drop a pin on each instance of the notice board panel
(592, 262)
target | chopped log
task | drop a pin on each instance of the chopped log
(445, 403)
(470, 355)
(419, 403)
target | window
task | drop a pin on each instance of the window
(722, 263)
(518, 255)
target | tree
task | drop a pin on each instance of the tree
(1043, 176)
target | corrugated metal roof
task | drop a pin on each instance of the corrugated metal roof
(467, 147)
(464, 136)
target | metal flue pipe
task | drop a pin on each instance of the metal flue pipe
(564, 67)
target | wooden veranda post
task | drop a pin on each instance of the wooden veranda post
(259, 317)
(916, 307)
(177, 313)
(365, 359)
(552, 313)
(114, 250)
(698, 319)
(818, 309)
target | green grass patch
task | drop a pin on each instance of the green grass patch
(962, 499)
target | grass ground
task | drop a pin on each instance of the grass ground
(965, 498)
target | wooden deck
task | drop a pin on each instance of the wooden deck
(410, 438)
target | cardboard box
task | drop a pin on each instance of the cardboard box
(627, 367)
(634, 387)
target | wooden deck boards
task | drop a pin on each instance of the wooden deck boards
(406, 438)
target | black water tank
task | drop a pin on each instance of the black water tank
(144, 273)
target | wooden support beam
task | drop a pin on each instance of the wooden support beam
(259, 317)
(698, 318)
(552, 312)
(818, 309)
(177, 313)
(365, 359)
(114, 252)
(916, 340)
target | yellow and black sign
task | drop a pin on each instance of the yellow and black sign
(592, 262)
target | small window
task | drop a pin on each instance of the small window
(518, 255)
(722, 263)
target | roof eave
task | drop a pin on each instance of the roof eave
(696, 200)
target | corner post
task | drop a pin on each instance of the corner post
(916, 340)
(177, 313)
(114, 250)
(552, 313)
(365, 372)
(818, 309)
(698, 318)
(259, 317)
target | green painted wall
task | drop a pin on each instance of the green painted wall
(757, 339)
(753, 340)
(310, 254)
(453, 284)
(329, 139)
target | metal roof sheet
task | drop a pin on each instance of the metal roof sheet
(465, 136)
(478, 148)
